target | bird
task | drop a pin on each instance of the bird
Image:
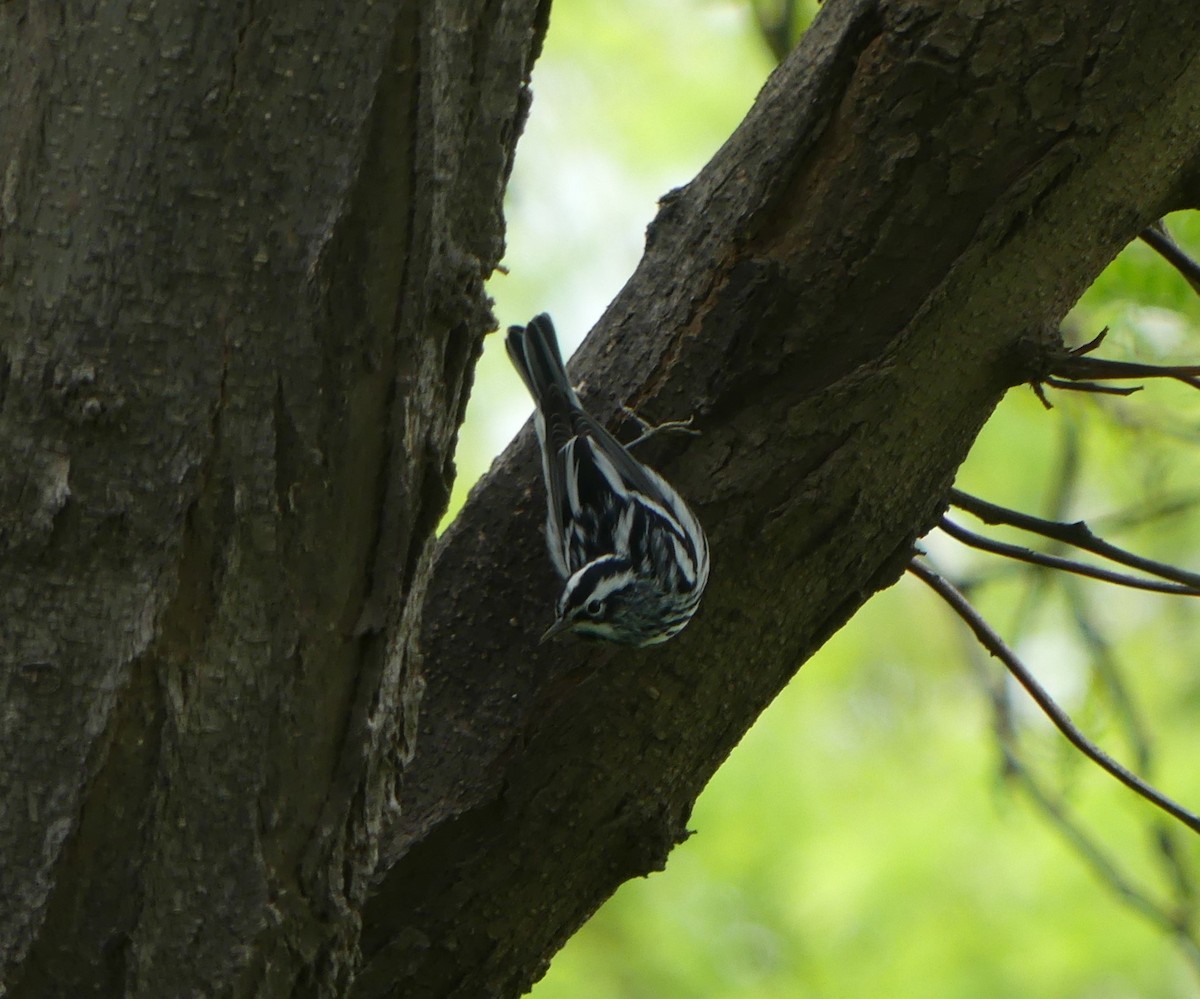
(632, 556)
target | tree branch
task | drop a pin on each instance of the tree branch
(1158, 237)
(834, 398)
(235, 339)
(995, 645)
(1074, 371)
(1077, 535)
(1174, 918)
(1063, 564)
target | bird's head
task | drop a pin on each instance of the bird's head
(607, 599)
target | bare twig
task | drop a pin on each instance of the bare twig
(1106, 867)
(1107, 668)
(1076, 370)
(1084, 386)
(1160, 240)
(648, 430)
(1061, 488)
(1076, 534)
(1065, 564)
(995, 645)
(1079, 366)
(1086, 372)
(1040, 391)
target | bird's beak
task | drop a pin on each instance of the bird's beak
(557, 628)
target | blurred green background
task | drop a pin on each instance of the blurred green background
(873, 834)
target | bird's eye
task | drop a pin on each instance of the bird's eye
(594, 608)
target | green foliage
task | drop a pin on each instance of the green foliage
(867, 838)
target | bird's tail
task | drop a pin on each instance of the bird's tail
(534, 352)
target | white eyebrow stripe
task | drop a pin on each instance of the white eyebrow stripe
(607, 586)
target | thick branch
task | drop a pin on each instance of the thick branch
(838, 299)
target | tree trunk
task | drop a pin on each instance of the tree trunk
(242, 266)
(240, 298)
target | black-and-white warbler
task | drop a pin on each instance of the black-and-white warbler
(634, 557)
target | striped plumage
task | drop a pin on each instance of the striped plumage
(634, 557)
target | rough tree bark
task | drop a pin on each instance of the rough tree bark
(240, 297)
(241, 294)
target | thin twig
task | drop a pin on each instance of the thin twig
(1063, 483)
(1065, 564)
(1160, 240)
(1106, 867)
(1076, 370)
(1088, 370)
(648, 430)
(1175, 871)
(995, 645)
(1076, 534)
(1067, 385)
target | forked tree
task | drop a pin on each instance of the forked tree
(262, 735)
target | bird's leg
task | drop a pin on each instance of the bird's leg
(648, 430)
